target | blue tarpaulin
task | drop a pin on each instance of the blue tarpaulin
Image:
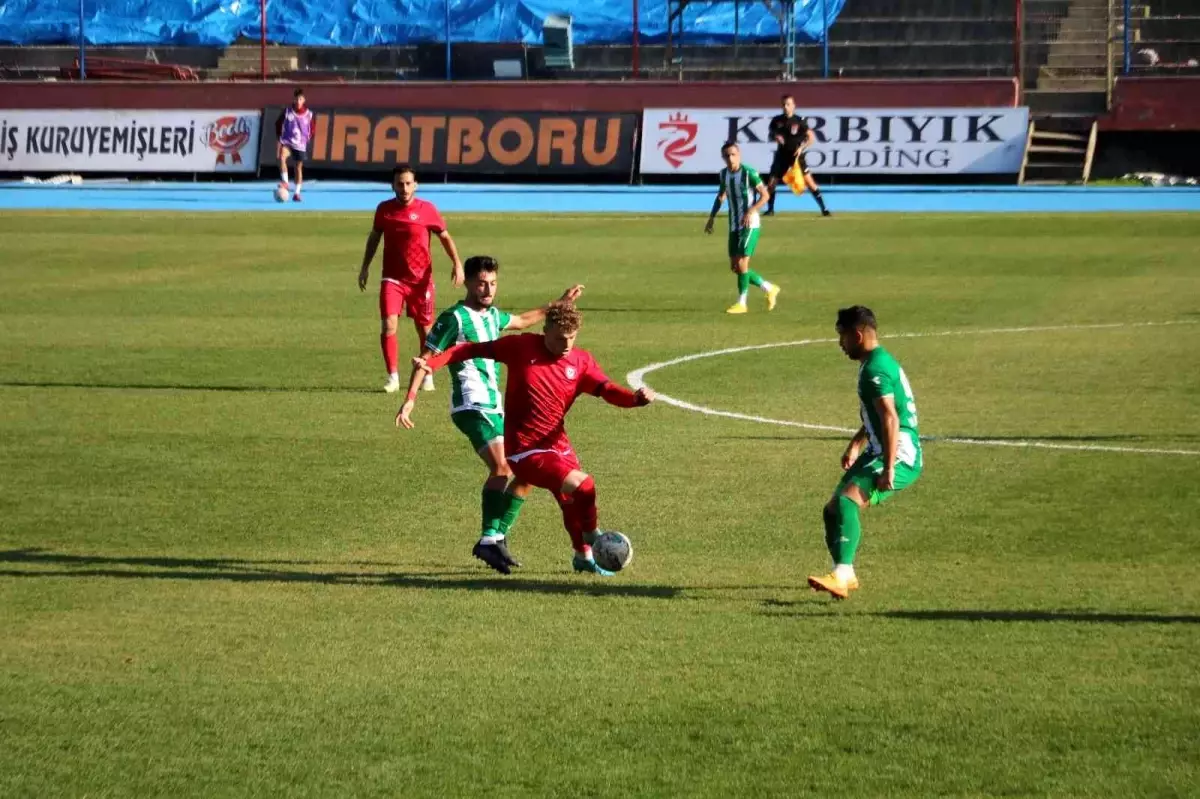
(364, 23)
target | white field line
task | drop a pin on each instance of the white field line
(636, 380)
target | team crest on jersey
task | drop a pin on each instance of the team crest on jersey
(413, 216)
(571, 373)
(679, 138)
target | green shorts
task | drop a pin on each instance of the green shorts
(864, 471)
(480, 428)
(743, 242)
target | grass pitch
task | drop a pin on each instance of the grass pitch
(224, 573)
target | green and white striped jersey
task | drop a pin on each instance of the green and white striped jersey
(476, 383)
(740, 192)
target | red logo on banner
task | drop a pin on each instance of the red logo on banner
(679, 140)
(227, 136)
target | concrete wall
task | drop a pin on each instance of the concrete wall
(1155, 104)
(496, 96)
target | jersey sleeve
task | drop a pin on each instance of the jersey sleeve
(593, 379)
(434, 220)
(502, 319)
(876, 382)
(753, 178)
(444, 333)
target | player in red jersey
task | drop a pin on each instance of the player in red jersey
(406, 225)
(545, 374)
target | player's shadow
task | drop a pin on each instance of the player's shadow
(801, 437)
(188, 387)
(1115, 437)
(269, 571)
(1039, 616)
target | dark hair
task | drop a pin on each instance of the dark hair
(856, 316)
(791, 97)
(298, 93)
(727, 145)
(479, 263)
(400, 169)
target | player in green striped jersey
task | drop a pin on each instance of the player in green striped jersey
(747, 194)
(883, 457)
(476, 407)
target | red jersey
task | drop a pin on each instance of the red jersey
(541, 388)
(406, 232)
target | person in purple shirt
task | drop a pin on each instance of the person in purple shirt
(294, 128)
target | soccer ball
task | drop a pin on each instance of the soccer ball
(612, 550)
(281, 194)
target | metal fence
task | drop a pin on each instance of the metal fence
(1161, 37)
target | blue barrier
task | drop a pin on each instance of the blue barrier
(363, 23)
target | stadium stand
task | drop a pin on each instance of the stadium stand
(1056, 47)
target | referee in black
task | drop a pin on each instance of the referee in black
(792, 137)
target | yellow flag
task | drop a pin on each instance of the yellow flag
(794, 178)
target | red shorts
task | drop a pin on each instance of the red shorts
(546, 470)
(415, 301)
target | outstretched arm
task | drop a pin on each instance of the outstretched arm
(531, 318)
(622, 397)
(463, 352)
(404, 415)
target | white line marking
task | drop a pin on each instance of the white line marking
(636, 380)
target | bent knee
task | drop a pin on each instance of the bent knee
(854, 494)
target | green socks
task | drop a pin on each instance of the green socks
(500, 510)
(494, 505)
(843, 531)
(512, 507)
(748, 279)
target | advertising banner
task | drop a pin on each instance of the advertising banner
(898, 141)
(480, 142)
(58, 140)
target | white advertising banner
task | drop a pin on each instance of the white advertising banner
(53, 140)
(897, 141)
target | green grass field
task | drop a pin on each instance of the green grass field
(223, 572)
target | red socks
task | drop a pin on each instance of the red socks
(391, 353)
(579, 512)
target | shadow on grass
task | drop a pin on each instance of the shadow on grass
(249, 571)
(189, 387)
(800, 437)
(1128, 438)
(1125, 437)
(823, 606)
(1038, 615)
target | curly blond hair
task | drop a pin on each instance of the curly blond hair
(564, 315)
